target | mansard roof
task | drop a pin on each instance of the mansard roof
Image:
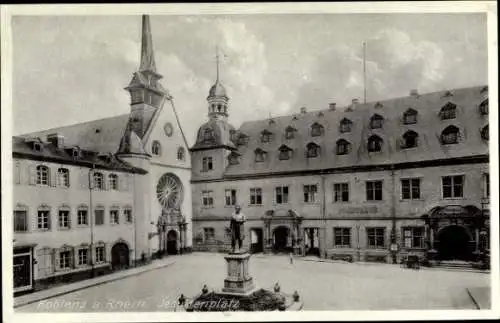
(428, 127)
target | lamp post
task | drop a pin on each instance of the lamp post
(91, 213)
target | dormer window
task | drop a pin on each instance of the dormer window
(449, 111)
(485, 133)
(374, 143)
(312, 150)
(343, 147)
(37, 146)
(316, 130)
(376, 121)
(233, 135)
(208, 135)
(484, 107)
(260, 155)
(265, 136)
(233, 158)
(290, 132)
(75, 152)
(285, 152)
(378, 105)
(242, 140)
(447, 94)
(410, 116)
(410, 139)
(345, 125)
(450, 135)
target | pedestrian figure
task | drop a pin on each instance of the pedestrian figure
(291, 258)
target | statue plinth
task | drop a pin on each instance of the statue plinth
(238, 280)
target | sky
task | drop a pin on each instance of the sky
(71, 69)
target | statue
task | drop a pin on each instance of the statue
(236, 226)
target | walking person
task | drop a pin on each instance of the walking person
(291, 258)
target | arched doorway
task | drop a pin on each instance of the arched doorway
(119, 256)
(172, 242)
(280, 237)
(454, 243)
(257, 241)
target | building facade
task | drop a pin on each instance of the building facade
(104, 194)
(370, 182)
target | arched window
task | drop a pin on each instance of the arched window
(410, 116)
(450, 135)
(312, 150)
(485, 132)
(63, 177)
(156, 148)
(343, 147)
(21, 218)
(345, 125)
(98, 181)
(181, 152)
(484, 107)
(285, 152)
(260, 155)
(376, 121)
(42, 175)
(374, 143)
(410, 139)
(316, 130)
(290, 132)
(448, 111)
(113, 181)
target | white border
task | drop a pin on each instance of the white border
(7, 11)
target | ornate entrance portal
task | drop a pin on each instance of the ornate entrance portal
(172, 242)
(454, 243)
(119, 256)
(280, 239)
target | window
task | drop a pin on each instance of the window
(242, 139)
(290, 132)
(410, 139)
(485, 133)
(255, 196)
(65, 258)
(413, 237)
(43, 219)
(449, 135)
(208, 234)
(410, 116)
(99, 216)
(312, 150)
(233, 135)
(98, 181)
(374, 191)
(285, 153)
(345, 125)
(449, 111)
(207, 198)
(114, 217)
(156, 148)
(453, 186)
(341, 192)
(128, 215)
(265, 136)
(316, 130)
(376, 237)
(21, 220)
(233, 159)
(342, 237)
(486, 185)
(99, 254)
(45, 262)
(230, 197)
(376, 121)
(37, 146)
(181, 152)
(83, 257)
(410, 189)
(82, 216)
(484, 107)
(207, 164)
(260, 155)
(208, 135)
(64, 220)
(281, 194)
(310, 192)
(343, 147)
(374, 143)
(75, 152)
(63, 177)
(113, 181)
(42, 175)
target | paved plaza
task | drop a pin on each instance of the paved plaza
(322, 286)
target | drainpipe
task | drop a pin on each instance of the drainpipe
(323, 213)
(91, 216)
(393, 214)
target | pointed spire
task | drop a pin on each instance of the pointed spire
(217, 62)
(147, 54)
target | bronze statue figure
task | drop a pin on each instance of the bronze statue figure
(236, 226)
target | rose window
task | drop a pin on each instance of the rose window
(169, 191)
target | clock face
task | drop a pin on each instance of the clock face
(169, 129)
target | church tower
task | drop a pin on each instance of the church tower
(217, 98)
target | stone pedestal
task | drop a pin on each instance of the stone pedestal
(238, 280)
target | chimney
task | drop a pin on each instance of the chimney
(414, 93)
(303, 110)
(56, 139)
(332, 106)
